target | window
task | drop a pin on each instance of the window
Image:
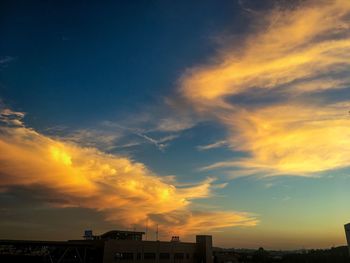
(123, 256)
(164, 256)
(138, 256)
(187, 256)
(179, 256)
(149, 256)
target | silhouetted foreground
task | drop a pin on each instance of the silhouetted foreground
(50, 251)
(94, 255)
(112, 246)
(333, 255)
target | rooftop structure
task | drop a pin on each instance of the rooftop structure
(114, 235)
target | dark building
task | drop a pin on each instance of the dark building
(114, 235)
(112, 246)
(347, 233)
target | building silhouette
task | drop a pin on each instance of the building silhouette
(112, 246)
(347, 233)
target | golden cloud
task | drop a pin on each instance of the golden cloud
(297, 52)
(124, 190)
(299, 44)
(199, 221)
(294, 139)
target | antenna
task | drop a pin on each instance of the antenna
(146, 228)
(133, 234)
(157, 233)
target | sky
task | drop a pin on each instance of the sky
(229, 118)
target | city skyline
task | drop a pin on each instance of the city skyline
(226, 118)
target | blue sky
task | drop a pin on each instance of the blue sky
(118, 56)
(236, 109)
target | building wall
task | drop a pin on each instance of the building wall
(128, 251)
(204, 249)
(347, 233)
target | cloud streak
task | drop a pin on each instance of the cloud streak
(296, 56)
(6, 60)
(160, 143)
(214, 145)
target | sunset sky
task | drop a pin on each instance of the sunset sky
(229, 118)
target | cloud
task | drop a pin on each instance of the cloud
(161, 143)
(174, 124)
(199, 221)
(125, 191)
(214, 145)
(11, 118)
(294, 56)
(105, 140)
(5, 60)
(241, 3)
(297, 139)
(298, 44)
(100, 137)
(291, 139)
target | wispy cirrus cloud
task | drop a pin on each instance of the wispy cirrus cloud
(125, 191)
(214, 145)
(295, 55)
(172, 124)
(161, 143)
(202, 221)
(6, 59)
(10, 117)
(105, 140)
(296, 139)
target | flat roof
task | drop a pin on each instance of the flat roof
(122, 232)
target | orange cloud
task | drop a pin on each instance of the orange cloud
(199, 221)
(299, 44)
(291, 139)
(297, 52)
(124, 190)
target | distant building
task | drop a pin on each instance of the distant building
(222, 255)
(347, 233)
(114, 246)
